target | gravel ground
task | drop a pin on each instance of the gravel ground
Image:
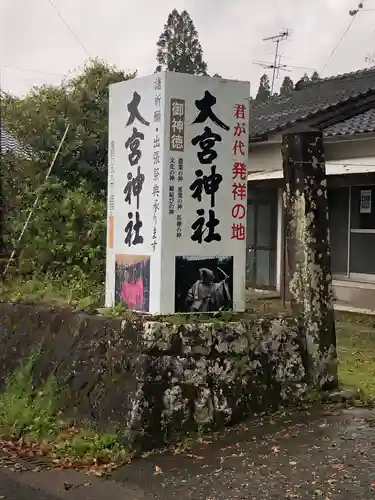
(316, 454)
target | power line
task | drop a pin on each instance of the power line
(300, 67)
(16, 68)
(338, 43)
(70, 29)
(354, 14)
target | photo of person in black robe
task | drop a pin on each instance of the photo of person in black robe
(211, 289)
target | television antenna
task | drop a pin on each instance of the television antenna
(281, 67)
(276, 66)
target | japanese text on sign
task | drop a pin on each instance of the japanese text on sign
(156, 162)
(205, 227)
(172, 177)
(135, 177)
(239, 174)
(111, 176)
(180, 197)
(177, 125)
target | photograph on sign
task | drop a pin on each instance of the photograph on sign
(132, 282)
(203, 284)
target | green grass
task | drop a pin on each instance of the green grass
(355, 341)
(51, 290)
(31, 419)
(356, 351)
(25, 412)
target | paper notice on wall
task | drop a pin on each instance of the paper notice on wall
(365, 201)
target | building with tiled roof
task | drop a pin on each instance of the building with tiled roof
(327, 100)
(343, 108)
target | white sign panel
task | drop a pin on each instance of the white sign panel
(365, 201)
(177, 220)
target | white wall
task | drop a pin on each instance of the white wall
(267, 156)
(346, 150)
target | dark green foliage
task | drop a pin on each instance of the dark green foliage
(287, 86)
(264, 90)
(305, 78)
(178, 47)
(31, 416)
(66, 235)
(39, 120)
(24, 411)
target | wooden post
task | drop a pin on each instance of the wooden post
(308, 253)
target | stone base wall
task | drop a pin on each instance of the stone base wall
(153, 381)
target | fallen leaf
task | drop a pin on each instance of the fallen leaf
(67, 486)
(196, 457)
(337, 466)
(158, 470)
(226, 448)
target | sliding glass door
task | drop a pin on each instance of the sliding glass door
(261, 238)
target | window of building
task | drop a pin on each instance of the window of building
(352, 229)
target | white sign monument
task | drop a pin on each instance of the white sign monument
(177, 193)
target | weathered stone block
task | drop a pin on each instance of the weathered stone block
(180, 340)
(153, 381)
(230, 339)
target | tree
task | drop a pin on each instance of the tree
(66, 235)
(178, 47)
(264, 90)
(315, 77)
(287, 86)
(216, 75)
(39, 120)
(65, 238)
(305, 78)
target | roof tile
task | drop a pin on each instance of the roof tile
(279, 112)
(359, 124)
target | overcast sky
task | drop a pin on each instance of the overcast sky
(124, 33)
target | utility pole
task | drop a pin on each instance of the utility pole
(283, 35)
